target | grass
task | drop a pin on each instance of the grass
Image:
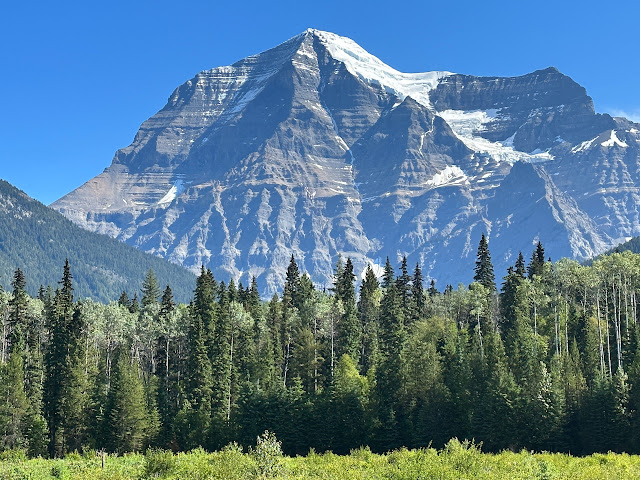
(457, 461)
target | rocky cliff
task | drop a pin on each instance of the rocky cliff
(316, 148)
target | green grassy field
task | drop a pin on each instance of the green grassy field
(456, 461)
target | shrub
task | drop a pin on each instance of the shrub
(159, 463)
(59, 470)
(267, 454)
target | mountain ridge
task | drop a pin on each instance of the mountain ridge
(317, 148)
(37, 240)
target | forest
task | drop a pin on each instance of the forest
(545, 359)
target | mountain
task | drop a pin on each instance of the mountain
(37, 240)
(632, 245)
(316, 148)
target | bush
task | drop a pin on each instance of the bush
(268, 454)
(59, 470)
(159, 463)
(13, 455)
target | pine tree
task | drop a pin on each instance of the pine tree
(14, 405)
(124, 300)
(484, 268)
(390, 369)
(222, 369)
(18, 314)
(166, 391)
(388, 276)
(519, 267)
(127, 414)
(417, 294)
(135, 306)
(291, 291)
(536, 265)
(58, 360)
(150, 290)
(349, 332)
(403, 286)
(368, 314)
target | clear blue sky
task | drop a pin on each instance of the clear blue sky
(78, 78)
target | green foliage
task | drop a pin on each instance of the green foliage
(553, 364)
(37, 239)
(268, 455)
(159, 463)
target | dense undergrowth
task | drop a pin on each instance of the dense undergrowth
(458, 460)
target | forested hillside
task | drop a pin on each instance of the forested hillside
(37, 240)
(547, 359)
(632, 245)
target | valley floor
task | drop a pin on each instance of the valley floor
(456, 461)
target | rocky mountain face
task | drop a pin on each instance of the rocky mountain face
(317, 148)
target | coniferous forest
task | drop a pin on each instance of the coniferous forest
(544, 358)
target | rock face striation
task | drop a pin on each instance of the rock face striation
(318, 148)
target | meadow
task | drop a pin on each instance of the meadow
(458, 460)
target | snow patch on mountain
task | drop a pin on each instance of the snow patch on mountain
(176, 189)
(450, 175)
(614, 140)
(467, 125)
(373, 71)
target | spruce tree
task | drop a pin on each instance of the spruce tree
(417, 295)
(58, 359)
(519, 267)
(403, 285)
(127, 413)
(13, 404)
(124, 300)
(484, 268)
(166, 392)
(349, 331)
(291, 290)
(536, 265)
(390, 369)
(18, 321)
(388, 276)
(368, 314)
(150, 290)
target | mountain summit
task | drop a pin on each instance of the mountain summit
(318, 148)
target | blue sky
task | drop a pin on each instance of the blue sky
(78, 78)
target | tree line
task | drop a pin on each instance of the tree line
(547, 360)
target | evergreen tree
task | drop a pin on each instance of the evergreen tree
(418, 300)
(536, 265)
(368, 314)
(13, 404)
(403, 285)
(166, 391)
(58, 360)
(127, 413)
(349, 332)
(135, 306)
(222, 369)
(124, 300)
(390, 369)
(519, 267)
(18, 314)
(484, 268)
(388, 276)
(291, 291)
(150, 290)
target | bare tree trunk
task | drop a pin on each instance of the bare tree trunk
(555, 327)
(606, 320)
(600, 344)
(230, 377)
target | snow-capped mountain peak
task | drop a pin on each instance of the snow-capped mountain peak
(316, 147)
(374, 71)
